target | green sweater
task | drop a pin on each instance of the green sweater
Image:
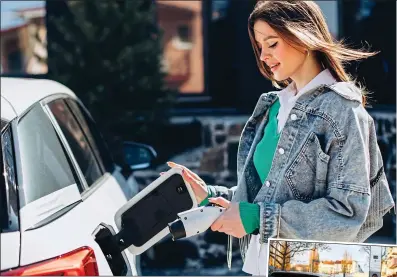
(263, 157)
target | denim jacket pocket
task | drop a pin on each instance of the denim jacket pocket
(307, 175)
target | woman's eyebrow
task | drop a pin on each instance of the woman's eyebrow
(266, 37)
(269, 37)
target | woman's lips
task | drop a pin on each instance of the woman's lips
(274, 68)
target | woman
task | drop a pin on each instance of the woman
(308, 164)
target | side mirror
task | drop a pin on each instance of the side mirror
(138, 156)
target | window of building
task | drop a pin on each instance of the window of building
(23, 38)
(183, 43)
(184, 33)
(14, 61)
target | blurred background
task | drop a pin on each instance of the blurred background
(182, 77)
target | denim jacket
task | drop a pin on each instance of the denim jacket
(326, 181)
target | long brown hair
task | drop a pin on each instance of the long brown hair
(302, 25)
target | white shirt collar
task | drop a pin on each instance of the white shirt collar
(323, 78)
(288, 95)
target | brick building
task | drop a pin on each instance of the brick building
(23, 41)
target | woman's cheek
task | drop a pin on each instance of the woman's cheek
(279, 53)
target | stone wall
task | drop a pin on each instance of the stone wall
(215, 162)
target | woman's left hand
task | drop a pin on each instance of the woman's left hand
(229, 222)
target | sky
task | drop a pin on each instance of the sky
(8, 19)
(336, 253)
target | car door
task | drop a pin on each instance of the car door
(66, 190)
(94, 160)
(137, 156)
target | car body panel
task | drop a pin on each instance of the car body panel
(9, 248)
(75, 228)
(22, 93)
(7, 111)
(46, 231)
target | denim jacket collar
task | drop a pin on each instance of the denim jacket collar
(347, 90)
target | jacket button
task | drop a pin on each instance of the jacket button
(267, 184)
(281, 151)
(294, 117)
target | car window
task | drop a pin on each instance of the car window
(77, 140)
(93, 135)
(9, 220)
(45, 166)
(3, 124)
(3, 197)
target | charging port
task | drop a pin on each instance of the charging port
(112, 247)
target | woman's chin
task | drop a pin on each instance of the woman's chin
(279, 77)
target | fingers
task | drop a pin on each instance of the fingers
(188, 178)
(217, 224)
(175, 165)
(186, 174)
(172, 164)
(220, 201)
(222, 226)
(225, 230)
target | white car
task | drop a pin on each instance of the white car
(60, 184)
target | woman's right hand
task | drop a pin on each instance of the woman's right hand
(198, 185)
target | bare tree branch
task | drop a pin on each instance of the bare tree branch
(276, 260)
(366, 249)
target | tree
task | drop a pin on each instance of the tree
(367, 250)
(109, 53)
(346, 263)
(281, 252)
(383, 254)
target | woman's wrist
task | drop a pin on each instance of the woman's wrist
(210, 193)
(249, 214)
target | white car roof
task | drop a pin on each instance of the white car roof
(18, 94)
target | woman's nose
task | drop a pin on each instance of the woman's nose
(264, 56)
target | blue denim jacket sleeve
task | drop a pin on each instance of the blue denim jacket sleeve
(355, 169)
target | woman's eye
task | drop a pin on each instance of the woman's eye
(273, 45)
